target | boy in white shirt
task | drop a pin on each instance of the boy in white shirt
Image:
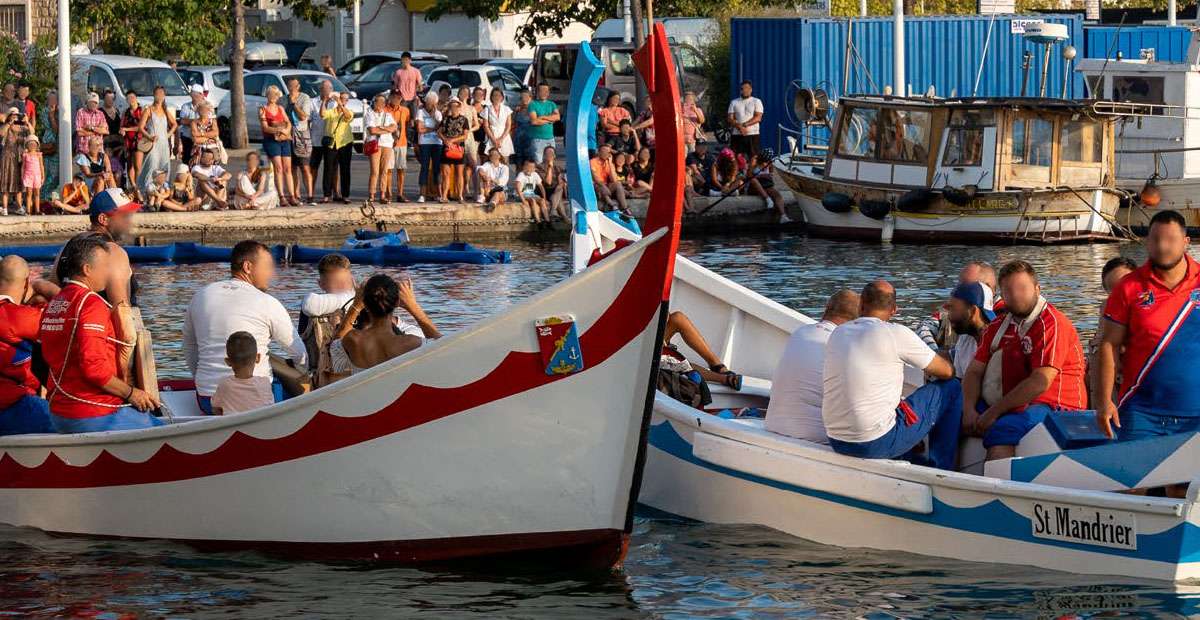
(243, 391)
(532, 194)
(157, 190)
(212, 181)
(493, 178)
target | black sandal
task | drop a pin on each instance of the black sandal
(732, 379)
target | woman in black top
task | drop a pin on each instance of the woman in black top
(642, 179)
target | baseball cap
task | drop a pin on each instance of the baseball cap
(12, 111)
(196, 88)
(93, 97)
(112, 200)
(977, 294)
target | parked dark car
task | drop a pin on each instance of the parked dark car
(378, 79)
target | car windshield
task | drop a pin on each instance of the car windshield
(428, 68)
(143, 80)
(516, 67)
(380, 73)
(310, 83)
(457, 77)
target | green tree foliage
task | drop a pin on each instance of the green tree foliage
(29, 64)
(188, 30)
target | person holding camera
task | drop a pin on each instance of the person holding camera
(14, 132)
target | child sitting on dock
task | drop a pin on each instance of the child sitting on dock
(157, 190)
(529, 188)
(74, 198)
(243, 391)
(493, 178)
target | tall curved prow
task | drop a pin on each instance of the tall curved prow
(592, 232)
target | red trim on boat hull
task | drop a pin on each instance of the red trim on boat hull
(598, 549)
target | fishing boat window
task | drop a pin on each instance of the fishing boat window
(1032, 141)
(1080, 142)
(858, 133)
(1138, 89)
(964, 143)
(903, 135)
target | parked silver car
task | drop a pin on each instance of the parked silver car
(489, 77)
(213, 79)
(256, 85)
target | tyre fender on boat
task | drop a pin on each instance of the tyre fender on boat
(875, 209)
(960, 196)
(915, 200)
(837, 202)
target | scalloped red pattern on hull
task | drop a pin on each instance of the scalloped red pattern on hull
(627, 317)
(591, 549)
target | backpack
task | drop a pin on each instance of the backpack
(317, 337)
(685, 387)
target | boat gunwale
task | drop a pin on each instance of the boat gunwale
(902, 470)
(398, 364)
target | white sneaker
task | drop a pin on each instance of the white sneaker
(480, 199)
(420, 198)
(770, 205)
(783, 219)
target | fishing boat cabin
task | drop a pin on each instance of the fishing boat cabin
(961, 169)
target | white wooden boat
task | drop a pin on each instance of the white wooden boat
(1049, 507)
(471, 446)
(1156, 105)
(959, 170)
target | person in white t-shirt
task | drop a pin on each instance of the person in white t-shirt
(798, 383)
(745, 116)
(493, 178)
(533, 196)
(969, 311)
(864, 380)
(239, 304)
(212, 181)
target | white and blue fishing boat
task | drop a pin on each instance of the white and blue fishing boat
(1060, 504)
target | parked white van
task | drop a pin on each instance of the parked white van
(96, 73)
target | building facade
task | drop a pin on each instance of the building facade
(28, 19)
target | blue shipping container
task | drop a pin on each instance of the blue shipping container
(944, 51)
(1170, 43)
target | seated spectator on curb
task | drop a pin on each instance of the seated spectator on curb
(1029, 365)
(157, 191)
(864, 379)
(255, 187)
(528, 185)
(798, 383)
(22, 410)
(604, 176)
(242, 391)
(761, 183)
(493, 178)
(699, 170)
(641, 178)
(95, 166)
(1151, 338)
(212, 181)
(74, 198)
(183, 192)
(626, 141)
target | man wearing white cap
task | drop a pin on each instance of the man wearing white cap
(188, 113)
(89, 122)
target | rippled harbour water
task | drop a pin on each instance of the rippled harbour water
(675, 569)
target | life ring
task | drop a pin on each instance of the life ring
(915, 201)
(875, 209)
(835, 202)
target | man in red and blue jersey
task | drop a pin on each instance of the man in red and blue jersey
(1153, 314)
(21, 409)
(1029, 364)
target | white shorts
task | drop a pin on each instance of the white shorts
(401, 159)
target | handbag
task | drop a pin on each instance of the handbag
(145, 145)
(370, 147)
(454, 151)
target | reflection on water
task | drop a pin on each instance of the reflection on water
(674, 570)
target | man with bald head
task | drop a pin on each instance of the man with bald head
(21, 410)
(864, 380)
(797, 385)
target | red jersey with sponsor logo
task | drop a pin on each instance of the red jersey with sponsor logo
(1160, 372)
(18, 332)
(1050, 341)
(79, 343)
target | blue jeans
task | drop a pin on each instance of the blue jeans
(1137, 424)
(28, 415)
(123, 419)
(430, 158)
(1009, 428)
(938, 405)
(537, 148)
